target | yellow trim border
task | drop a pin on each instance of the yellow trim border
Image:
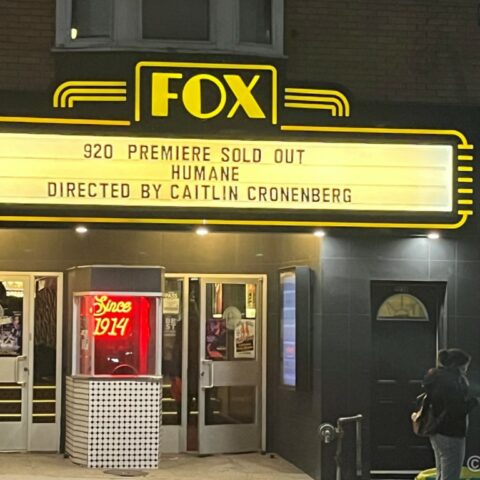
(66, 121)
(265, 223)
(463, 144)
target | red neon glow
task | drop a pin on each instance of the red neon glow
(122, 335)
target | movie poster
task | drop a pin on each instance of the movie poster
(216, 339)
(245, 339)
(11, 335)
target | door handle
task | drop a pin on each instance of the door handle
(209, 364)
(17, 364)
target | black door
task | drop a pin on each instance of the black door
(405, 318)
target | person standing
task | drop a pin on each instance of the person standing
(447, 387)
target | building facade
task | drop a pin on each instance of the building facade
(264, 122)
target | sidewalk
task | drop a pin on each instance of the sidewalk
(250, 466)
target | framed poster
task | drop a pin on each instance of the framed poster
(244, 339)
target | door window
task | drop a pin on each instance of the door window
(402, 306)
(231, 321)
(172, 333)
(45, 350)
(230, 405)
(12, 401)
(11, 318)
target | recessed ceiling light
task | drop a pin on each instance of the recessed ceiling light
(319, 233)
(202, 231)
(433, 236)
(81, 229)
(73, 33)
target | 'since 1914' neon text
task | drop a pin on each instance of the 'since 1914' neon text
(106, 320)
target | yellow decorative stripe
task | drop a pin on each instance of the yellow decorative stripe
(91, 91)
(465, 157)
(465, 169)
(16, 415)
(465, 190)
(13, 387)
(465, 147)
(318, 106)
(465, 202)
(63, 89)
(325, 93)
(66, 121)
(105, 93)
(10, 401)
(337, 107)
(44, 414)
(389, 131)
(465, 180)
(221, 66)
(268, 223)
(77, 98)
(465, 212)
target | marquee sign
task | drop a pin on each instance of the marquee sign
(367, 177)
(230, 174)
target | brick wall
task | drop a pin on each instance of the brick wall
(27, 33)
(402, 50)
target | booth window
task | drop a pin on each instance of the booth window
(116, 334)
(244, 26)
(295, 327)
(402, 306)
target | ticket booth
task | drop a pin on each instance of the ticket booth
(113, 389)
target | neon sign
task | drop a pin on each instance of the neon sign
(112, 317)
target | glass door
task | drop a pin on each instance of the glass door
(230, 377)
(14, 362)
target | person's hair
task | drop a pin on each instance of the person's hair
(3, 291)
(453, 357)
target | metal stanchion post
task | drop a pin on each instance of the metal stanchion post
(328, 433)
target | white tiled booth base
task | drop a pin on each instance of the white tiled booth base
(113, 424)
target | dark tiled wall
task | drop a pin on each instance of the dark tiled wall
(343, 266)
(348, 265)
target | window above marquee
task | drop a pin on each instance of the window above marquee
(235, 26)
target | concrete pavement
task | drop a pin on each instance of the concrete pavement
(251, 466)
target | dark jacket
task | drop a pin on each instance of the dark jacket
(448, 391)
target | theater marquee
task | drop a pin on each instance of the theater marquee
(43, 169)
(311, 168)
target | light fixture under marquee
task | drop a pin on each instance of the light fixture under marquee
(81, 229)
(202, 231)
